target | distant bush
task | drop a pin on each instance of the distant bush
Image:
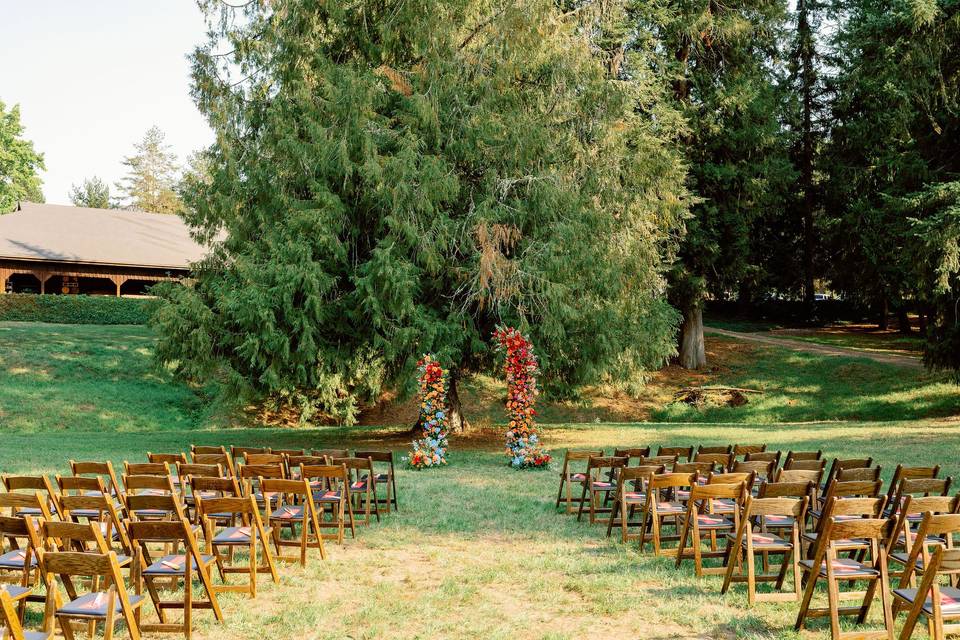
(73, 309)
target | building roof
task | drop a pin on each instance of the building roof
(60, 233)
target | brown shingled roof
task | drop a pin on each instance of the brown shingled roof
(59, 233)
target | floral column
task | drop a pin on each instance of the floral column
(431, 450)
(521, 368)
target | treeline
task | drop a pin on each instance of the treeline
(398, 178)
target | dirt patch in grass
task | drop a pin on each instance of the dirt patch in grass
(483, 396)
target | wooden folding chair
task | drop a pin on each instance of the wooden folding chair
(918, 487)
(295, 507)
(939, 604)
(600, 484)
(908, 549)
(35, 485)
(250, 535)
(248, 475)
(294, 463)
(95, 606)
(852, 489)
(743, 450)
(331, 486)
(843, 508)
(570, 476)
(385, 474)
(185, 567)
(102, 470)
(11, 620)
(631, 494)
(363, 491)
(212, 487)
(798, 489)
(903, 472)
(19, 543)
(826, 565)
(701, 518)
(682, 453)
(839, 465)
(663, 507)
(149, 485)
(753, 537)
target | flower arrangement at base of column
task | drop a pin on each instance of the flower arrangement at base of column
(521, 368)
(431, 450)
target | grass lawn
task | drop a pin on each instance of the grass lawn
(862, 337)
(477, 550)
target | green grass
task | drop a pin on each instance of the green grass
(477, 550)
(800, 387)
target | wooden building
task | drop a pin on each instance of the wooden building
(57, 249)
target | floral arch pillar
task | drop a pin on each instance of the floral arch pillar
(431, 449)
(521, 369)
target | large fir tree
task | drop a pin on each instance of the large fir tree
(392, 178)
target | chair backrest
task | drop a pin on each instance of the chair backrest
(596, 465)
(244, 506)
(873, 529)
(776, 506)
(140, 484)
(108, 516)
(288, 452)
(268, 470)
(198, 449)
(171, 459)
(903, 472)
(35, 485)
(723, 490)
(700, 468)
(763, 456)
(854, 488)
(849, 463)
(250, 458)
(325, 476)
(632, 453)
(239, 453)
(146, 468)
(680, 452)
(798, 475)
(747, 449)
(786, 489)
(725, 448)
(857, 473)
(732, 477)
(57, 535)
(920, 487)
(166, 505)
(377, 456)
(800, 464)
(762, 469)
(666, 461)
(221, 459)
(70, 485)
(720, 461)
(199, 470)
(331, 453)
(103, 470)
(672, 481)
(804, 455)
(14, 503)
(640, 474)
(224, 487)
(855, 506)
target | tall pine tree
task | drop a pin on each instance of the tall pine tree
(394, 178)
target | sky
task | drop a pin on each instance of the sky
(92, 77)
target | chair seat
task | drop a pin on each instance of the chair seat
(288, 512)
(35, 511)
(15, 591)
(94, 605)
(843, 567)
(16, 559)
(671, 508)
(949, 600)
(600, 485)
(847, 543)
(904, 558)
(89, 514)
(724, 505)
(764, 541)
(152, 513)
(233, 535)
(634, 497)
(272, 497)
(577, 477)
(779, 522)
(713, 521)
(175, 565)
(327, 496)
(359, 485)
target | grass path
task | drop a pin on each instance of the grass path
(794, 344)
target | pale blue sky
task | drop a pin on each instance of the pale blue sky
(92, 77)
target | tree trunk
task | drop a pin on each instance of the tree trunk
(458, 423)
(923, 320)
(692, 352)
(903, 321)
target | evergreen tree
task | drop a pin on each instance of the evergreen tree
(397, 178)
(723, 66)
(152, 177)
(93, 192)
(19, 163)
